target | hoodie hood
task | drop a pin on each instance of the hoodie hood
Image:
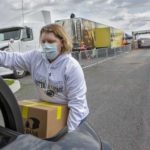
(59, 60)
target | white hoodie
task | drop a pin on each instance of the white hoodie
(61, 81)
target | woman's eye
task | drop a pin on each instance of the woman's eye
(51, 41)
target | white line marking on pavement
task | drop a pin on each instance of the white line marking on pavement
(99, 62)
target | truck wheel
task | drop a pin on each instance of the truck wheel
(10, 109)
(19, 74)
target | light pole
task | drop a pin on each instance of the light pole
(22, 14)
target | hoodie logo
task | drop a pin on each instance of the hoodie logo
(50, 93)
(53, 88)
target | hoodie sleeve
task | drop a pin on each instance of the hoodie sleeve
(76, 94)
(16, 60)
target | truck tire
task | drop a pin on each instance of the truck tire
(19, 74)
(10, 109)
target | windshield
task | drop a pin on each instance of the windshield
(11, 34)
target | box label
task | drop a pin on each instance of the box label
(25, 111)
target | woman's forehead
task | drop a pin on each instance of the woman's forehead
(49, 37)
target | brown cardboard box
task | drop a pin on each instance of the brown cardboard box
(43, 119)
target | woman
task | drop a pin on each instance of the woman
(58, 76)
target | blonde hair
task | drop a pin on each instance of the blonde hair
(60, 33)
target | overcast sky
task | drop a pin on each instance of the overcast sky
(129, 15)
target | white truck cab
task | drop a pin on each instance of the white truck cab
(18, 39)
(22, 38)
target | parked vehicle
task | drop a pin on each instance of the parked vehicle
(142, 38)
(81, 32)
(127, 39)
(143, 42)
(22, 38)
(87, 34)
(108, 37)
(12, 136)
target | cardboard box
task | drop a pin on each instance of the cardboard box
(43, 119)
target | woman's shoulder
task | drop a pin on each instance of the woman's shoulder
(72, 61)
(72, 64)
(35, 54)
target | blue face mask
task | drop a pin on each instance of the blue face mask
(50, 51)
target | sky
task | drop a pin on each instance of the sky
(129, 15)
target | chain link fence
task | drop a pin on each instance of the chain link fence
(89, 57)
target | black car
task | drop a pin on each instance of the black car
(13, 138)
